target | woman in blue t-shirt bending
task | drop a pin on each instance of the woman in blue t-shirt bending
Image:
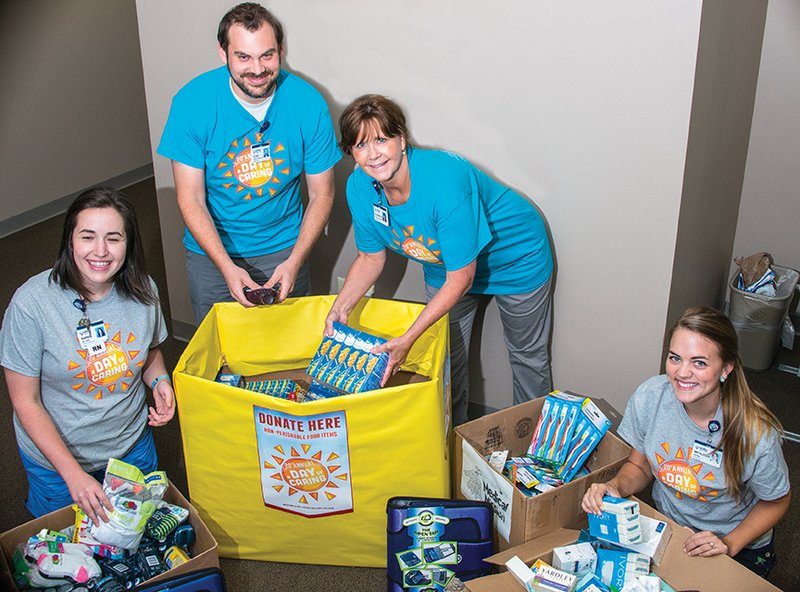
(708, 444)
(473, 236)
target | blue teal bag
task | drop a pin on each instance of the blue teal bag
(430, 541)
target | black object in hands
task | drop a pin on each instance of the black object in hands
(262, 295)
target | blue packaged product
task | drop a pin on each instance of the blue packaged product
(344, 363)
(615, 528)
(281, 388)
(591, 426)
(320, 390)
(554, 430)
(230, 379)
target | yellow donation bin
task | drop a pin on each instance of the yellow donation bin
(308, 482)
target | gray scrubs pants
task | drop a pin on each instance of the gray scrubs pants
(207, 285)
(526, 322)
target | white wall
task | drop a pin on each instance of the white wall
(769, 215)
(584, 107)
(72, 110)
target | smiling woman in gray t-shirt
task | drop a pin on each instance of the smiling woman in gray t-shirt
(78, 344)
(708, 444)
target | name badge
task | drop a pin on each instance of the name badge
(380, 214)
(93, 338)
(707, 454)
(84, 336)
(259, 152)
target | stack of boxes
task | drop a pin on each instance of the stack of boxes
(619, 523)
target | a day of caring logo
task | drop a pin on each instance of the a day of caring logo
(305, 462)
(107, 371)
(253, 166)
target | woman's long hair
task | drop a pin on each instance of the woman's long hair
(745, 417)
(131, 280)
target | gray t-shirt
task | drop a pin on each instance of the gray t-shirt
(97, 402)
(690, 491)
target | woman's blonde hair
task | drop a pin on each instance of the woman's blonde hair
(745, 417)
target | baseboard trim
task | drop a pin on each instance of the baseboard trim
(182, 331)
(60, 205)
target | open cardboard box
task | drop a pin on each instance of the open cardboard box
(519, 518)
(204, 550)
(682, 572)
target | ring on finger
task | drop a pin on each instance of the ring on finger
(711, 544)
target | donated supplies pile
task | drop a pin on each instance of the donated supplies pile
(568, 431)
(343, 364)
(144, 537)
(615, 554)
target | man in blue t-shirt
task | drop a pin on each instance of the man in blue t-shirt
(239, 137)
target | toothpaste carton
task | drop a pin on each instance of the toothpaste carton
(578, 559)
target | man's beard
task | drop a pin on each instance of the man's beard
(255, 92)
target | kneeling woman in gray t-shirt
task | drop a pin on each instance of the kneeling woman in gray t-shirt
(78, 344)
(709, 445)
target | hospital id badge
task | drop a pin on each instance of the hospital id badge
(259, 152)
(707, 454)
(84, 336)
(380, 214)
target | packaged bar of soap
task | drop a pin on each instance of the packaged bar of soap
(615, 528)
(578, 559)
(620, 506)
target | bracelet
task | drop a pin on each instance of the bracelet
(158, 379)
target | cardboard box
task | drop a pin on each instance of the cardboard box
(709, 574)
(519, 518)
(204, 550)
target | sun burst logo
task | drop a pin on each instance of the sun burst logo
(248, 177)
(415, 247)
(684, 478)
(306, 474)
(110, 370)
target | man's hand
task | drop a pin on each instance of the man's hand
(237, 278)
(285, 274)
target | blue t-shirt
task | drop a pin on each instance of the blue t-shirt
(455, 214)
(255, 204)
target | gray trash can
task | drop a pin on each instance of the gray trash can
(757, 318)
